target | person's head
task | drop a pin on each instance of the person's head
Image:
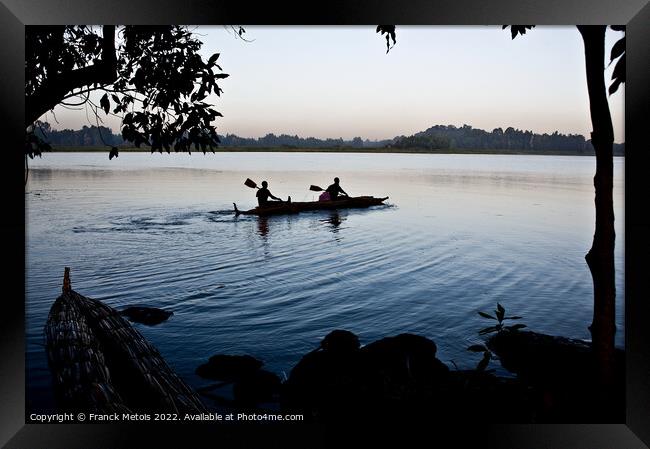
(336, 180)
(265, 184)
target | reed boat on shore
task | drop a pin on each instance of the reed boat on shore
(100, 363)
(280, 208)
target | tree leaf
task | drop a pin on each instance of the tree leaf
(614, 86)
(619, 70)
(487, 330)
(104, 103)
(617, 49)
(501, 312)
(514, 317)
(516, 327)
(389, 31)
(484, 362)
(618, 76)
(486, 315)
(517, 29)
(113, 153)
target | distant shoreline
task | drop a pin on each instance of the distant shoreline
(382, 150)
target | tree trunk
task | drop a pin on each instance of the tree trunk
(600, 257)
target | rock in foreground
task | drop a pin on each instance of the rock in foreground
(146, 315)
(229, 368)
(251, 384)
(564, 374)
(341, 381)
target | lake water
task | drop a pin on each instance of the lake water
(459, 233)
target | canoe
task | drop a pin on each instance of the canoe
(296, 207)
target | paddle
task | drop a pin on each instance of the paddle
(253, 185)
(250, 183)
(319, 189)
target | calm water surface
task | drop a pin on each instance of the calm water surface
(459, 233)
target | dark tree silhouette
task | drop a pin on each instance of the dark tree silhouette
(153, 78)
(600, 257)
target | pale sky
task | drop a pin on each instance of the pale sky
(338, 81)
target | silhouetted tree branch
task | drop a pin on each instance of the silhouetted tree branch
(152, 77)
(59, 81)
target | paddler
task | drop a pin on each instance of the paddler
(335, 189)
(264, 194)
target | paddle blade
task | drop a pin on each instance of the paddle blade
(316, 188)
(250, 183)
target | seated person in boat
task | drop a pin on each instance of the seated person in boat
(335, 189)
(264, 194)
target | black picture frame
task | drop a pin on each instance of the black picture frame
(15, 14)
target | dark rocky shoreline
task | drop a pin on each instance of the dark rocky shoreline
(399, 378)
(100, 362)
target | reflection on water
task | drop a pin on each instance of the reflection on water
(262, 226)
(459, 234)
(263, 233)
(334, 220)
(331, 219)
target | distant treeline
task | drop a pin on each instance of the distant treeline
(86, 136)
(285, 140)
(432, 142)
(467, 137)
(437, 137)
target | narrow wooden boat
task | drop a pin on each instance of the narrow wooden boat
(296, 207)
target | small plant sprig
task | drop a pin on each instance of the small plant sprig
(487, 356)
(500, 317)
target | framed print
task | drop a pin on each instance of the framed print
(375, 224)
